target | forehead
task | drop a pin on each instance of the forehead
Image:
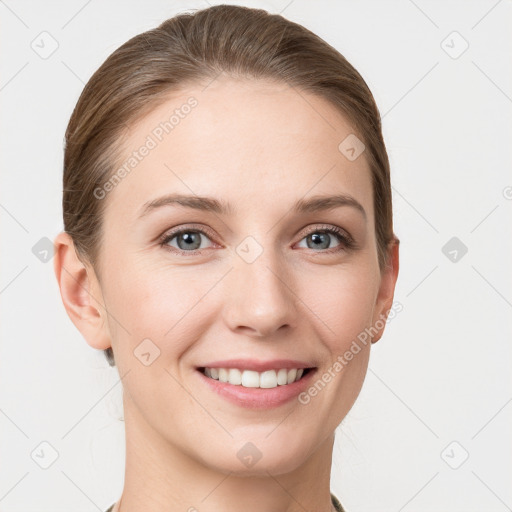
(249, 142)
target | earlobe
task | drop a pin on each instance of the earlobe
(386, 291)
(80, 293)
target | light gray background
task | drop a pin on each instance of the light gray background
(438, 387)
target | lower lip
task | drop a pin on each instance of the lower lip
(258, 398)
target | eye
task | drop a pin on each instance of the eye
(185, 239)
(189, 240)
(321, 237)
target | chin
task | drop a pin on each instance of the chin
(259, 455)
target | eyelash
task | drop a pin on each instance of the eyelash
(346, 241)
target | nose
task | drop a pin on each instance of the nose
(260, 299)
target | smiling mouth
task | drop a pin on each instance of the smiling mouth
(252, 379)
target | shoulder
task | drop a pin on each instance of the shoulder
(335, 502)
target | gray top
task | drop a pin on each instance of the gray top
(335, 502)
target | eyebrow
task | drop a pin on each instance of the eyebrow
(210, 204)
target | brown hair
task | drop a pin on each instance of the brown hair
(185, 49)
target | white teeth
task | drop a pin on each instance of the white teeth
(268, 379)
(251, 379)
(235, 376)
(282, 376)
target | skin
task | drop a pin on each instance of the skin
(260, 146)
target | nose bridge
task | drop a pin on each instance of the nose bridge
(261, 297)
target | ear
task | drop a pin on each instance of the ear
(81, 293)
(384, 302)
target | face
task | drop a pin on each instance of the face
(262, 277)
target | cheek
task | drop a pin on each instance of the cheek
(342, 301)
(169, 305)
(174, 305)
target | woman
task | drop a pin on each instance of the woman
(229, 244)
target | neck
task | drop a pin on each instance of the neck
(161, 477)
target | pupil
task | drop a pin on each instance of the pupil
(190, 238)
(320, 239)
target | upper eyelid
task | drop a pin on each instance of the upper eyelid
(169, 235)
(172, 233)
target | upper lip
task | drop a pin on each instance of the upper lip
(258, 366)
